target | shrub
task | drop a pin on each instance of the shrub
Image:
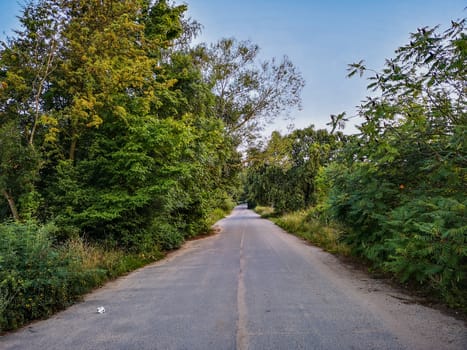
(38, 278)
(166, 236)
(429, 245)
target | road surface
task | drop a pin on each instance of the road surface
(252, 286)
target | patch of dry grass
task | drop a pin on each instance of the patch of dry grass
(265, 212)
(304, 225)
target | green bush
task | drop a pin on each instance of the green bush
(265, 212)
(429, 245)
(166, 236)
(38, 278)
(359, 198)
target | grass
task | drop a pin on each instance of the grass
(115, 262)
(265, 212)
(215, 216)
(306, 225)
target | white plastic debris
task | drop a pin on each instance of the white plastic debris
(100, 310)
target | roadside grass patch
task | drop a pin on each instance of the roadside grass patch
(306, 225)
(265, 212)
(215, 216)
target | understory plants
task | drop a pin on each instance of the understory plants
(39, 277)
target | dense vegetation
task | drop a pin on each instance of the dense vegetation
(118, 140)
(395, 192)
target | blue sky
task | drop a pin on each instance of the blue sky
(320, 37)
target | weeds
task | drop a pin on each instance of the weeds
(265, 212)
(305, 224)
(38, 278)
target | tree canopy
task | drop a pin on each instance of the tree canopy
(249, 92)
(114, 124)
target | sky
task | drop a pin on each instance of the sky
(321, 37)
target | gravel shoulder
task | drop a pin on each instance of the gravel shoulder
(418, 325)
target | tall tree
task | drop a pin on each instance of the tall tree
(26, 65)
(105, 67)
(249, 92)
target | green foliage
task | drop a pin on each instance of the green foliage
(308, 225)
(429, 245)
(166, 236)
(25, 65)
(18, 170)
(164, 22)
(121, 126)
(265, 212)
(399, 186)
(282, 175)
(359, 197)
(38, 278)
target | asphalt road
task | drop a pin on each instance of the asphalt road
(251, 286)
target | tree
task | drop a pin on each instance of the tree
(283, 174)
(26, 65)
(249, 93)
(12, 154)
(128, 123)
(400, 189)
(114, 114)
(105, 68)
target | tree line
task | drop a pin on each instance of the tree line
(398, 187)
(112, 122)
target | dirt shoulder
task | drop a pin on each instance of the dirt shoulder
(406, 314)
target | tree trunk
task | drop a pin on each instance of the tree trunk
(74, 141)
(11, 203)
